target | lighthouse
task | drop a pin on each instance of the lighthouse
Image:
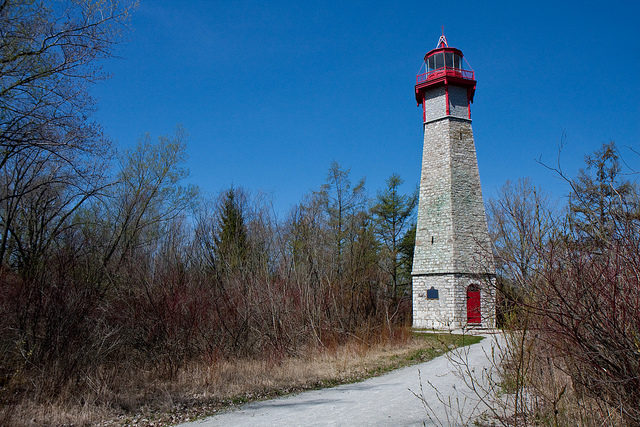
(453, 272)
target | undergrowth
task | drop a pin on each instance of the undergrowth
(203, 389)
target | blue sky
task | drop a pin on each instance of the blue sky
(272, 92)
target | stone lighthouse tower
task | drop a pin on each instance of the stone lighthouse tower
(453, 269)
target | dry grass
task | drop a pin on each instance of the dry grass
(546, 392)
(202, 389)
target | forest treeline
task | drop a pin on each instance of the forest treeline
(146, 274)
(112, 266)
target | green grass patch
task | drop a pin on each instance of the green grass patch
(438, 344)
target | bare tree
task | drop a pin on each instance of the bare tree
(571, 353)
(341, 202)
(147, 194)
(48, 56)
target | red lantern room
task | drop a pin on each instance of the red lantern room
(443, 68)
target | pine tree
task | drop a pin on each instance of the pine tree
(406, 248)
(393, 214)
(231, 247)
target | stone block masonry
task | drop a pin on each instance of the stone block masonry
(453, 248)
(449, 311)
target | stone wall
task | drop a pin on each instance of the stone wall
(458, 105)
(449, 311)
(434, 234)
(436, 103)
(453, 248)
(452, 235)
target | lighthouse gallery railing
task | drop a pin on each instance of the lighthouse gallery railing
(445, 71)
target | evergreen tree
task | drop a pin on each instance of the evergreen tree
(406, 248)
(393, 212)
(231, 247)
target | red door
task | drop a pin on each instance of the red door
(473, 304)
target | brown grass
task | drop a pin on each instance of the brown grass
(547, 393)
(203, 389)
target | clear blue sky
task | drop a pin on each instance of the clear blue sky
(272, 92)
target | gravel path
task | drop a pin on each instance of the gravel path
(384, 400)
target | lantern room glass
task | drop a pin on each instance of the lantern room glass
(439, 60)
(448, 59)
(444, 59)
(445, 62)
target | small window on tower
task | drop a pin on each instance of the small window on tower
(439, 60)
(449, 59)
(432, 293)
(456, 61)
(431, 63)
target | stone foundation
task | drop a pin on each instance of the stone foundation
(449, 310)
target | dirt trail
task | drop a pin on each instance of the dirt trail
(384, 400)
